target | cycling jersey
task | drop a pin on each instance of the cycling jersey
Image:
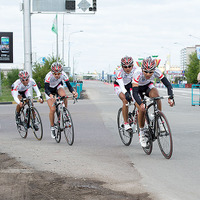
(19, 88)
(52, 83)
(123, 79)
(140, 79)
(145, 85)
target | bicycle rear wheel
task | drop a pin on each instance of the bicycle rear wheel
(68, 127)
(36, 124)
(164, 136)
(57, 127)
(126, 137)
(22, 126)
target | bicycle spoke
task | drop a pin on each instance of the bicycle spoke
(21, 127)
(164, 137)
(69, 128)
(36, 124)
(126, 137)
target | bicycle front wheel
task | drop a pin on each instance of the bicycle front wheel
(164, 136)
(149, 147)
(68, 127)
(22, 126)
(36, 124)
(126, 137)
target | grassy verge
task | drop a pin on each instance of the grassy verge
(6, 94)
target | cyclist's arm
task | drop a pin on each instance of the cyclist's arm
(136, 93)
(35, 87)
(15, 96)
(168, 85)
(69, 86)
(121, 85)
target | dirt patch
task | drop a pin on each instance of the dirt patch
(21, 182)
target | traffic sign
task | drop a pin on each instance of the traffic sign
(84, 5)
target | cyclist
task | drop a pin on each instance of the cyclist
(20, 89)
(123, 86)
(143, 83)
(54, 86)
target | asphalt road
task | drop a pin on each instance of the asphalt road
(99, 154)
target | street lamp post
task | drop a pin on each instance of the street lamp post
(76, 54)
(182, 52)
(69, 45)
(168, 58)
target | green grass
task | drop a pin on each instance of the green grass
(6, 94)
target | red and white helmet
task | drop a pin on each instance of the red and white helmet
(149, 64)
(127, 61)
(23, 75)
(56, 67)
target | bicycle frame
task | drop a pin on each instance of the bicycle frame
(152, 123)
(28, 101)
(59, 107)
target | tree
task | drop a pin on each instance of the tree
(12, 76)
(193, 69)
(40, 71)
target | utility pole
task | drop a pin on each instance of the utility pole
(27, 37)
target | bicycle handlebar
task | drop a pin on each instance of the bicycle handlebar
(29, 98)
(60, 99)
(149, 99)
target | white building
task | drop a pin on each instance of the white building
(185, 53)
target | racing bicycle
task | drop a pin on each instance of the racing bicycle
(29, 118)
(63, 121)
(157, 128)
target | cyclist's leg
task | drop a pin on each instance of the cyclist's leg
(52, 109)
(154, 93)
(62, 93)
(18, 109)
(121, 95)
(124, 107)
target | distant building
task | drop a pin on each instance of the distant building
(184, 57)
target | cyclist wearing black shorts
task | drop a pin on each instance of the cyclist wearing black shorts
(20, 89)
(54, 85)
(123, 86)
(143, 81)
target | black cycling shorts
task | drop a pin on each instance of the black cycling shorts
(144, 89)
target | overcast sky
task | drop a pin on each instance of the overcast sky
(137, 28)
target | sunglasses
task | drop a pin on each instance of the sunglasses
(127, 66)
(148, 72)
(57, 74)
(25, 79)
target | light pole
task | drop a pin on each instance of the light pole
(168, 58)
(182, 55)
(69, 45)
(76, 54)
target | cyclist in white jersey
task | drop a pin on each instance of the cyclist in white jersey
(123, 86)
(143, 82)
(20, 89)
(54, 85)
